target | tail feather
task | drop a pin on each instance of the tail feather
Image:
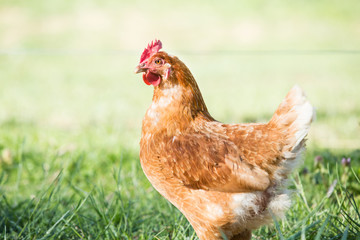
(293, 118)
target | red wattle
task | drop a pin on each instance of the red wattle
(151, 78)
(145, 80)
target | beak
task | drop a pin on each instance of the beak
(141, 68)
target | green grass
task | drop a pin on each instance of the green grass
(51, 189)
(71, 109)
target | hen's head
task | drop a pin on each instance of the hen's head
(156, 65)
(165, 71)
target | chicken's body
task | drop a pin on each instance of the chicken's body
(227, 179)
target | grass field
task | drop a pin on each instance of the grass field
(71, 109)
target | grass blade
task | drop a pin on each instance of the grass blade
(298, 234)
(56, 223)
(322, 228)
(277, 226)
(345, 235)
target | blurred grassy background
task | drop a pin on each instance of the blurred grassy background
(69, 64)
(71, 107)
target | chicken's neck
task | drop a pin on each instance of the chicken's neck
(176, 105)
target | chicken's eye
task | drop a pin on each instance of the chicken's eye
(158, 61)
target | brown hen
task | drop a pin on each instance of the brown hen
(227, 179)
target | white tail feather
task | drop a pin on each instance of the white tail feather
(293, 118)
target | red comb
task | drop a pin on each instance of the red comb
(151, 49)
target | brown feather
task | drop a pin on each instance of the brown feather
(223, 177)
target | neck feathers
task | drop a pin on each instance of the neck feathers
(177, 101)
(183, 81)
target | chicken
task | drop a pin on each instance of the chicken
(227, 179)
